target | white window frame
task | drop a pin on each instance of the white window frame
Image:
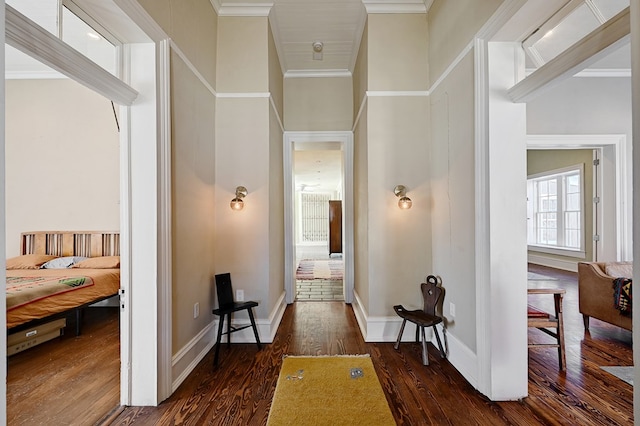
(559, 249)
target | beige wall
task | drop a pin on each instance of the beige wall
(360, 173)
(193, 26)
(193, 212)
(276, 81)
(276, 177)
(452, 26)
(360, 73)
(62, 159)
(453, 196)
(316, 104)
(397, 52)
(243, 55)
(539, 161)
(242, 158)
(399, 257)
(391, 148)
(249, 243)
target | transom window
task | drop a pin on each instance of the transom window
(555, 209)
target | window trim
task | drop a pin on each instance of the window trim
(562, 251)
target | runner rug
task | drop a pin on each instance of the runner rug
(329, 390)
(331, 269)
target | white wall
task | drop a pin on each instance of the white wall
(62, 159)
(582, 105)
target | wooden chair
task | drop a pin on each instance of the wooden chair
(227, 306)
(545, 321)
(426, 317)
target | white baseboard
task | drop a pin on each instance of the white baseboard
(386, 329)
(188, 357)
(552, 262)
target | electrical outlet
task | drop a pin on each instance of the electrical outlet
(196, 310)
(452, 309)
(239, 295)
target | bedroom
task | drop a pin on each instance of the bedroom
(62, 158)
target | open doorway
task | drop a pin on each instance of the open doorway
(331, 154)
(318, 227)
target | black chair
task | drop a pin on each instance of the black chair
(227, 306)
(426, 317)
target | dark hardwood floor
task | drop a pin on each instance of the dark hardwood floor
(239, 391)
(71, 380)
(75, 380)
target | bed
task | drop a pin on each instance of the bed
(80, 268)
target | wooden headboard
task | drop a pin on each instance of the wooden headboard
(71, 243)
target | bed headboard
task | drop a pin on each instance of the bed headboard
(71, 243)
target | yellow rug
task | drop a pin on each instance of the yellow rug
(329, 390)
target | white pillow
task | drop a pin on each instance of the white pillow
(619, 269)
(63, 262)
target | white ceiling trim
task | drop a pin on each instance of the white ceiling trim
(317, 73)
(387, 6)
(244, 9)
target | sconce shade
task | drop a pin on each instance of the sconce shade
(237, 203)
(404, 202)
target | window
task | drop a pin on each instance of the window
(555, 209)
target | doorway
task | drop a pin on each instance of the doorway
(318, 175)
(308, 234)
(144, 201)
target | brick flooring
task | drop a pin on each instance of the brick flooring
(319, 290)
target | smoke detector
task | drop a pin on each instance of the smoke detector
(317, 50)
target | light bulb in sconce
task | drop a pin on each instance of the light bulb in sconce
(237, 203)
(404, 202)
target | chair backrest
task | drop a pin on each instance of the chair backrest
(224, 289)
(431, 294)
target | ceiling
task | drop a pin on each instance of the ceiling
(298, 24)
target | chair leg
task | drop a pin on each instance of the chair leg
(220, 326)
(585, 320)
(229, 331)
(397, 345)
(560, 317)
(442, 352)
(255, 330)
(425, 353)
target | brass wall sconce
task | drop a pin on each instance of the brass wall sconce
(404, 202)
(237, 203)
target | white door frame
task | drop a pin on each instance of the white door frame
(345, 138)
(623, 195)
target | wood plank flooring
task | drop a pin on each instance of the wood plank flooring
(71, 380)
(239, 391)
(76, 380)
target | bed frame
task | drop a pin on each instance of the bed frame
(69, 243)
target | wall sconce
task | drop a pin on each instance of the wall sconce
(237, 203)
(401, 192)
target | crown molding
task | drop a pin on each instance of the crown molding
(34, 75)
(317, 73)
(397, 6)
(242, 9)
